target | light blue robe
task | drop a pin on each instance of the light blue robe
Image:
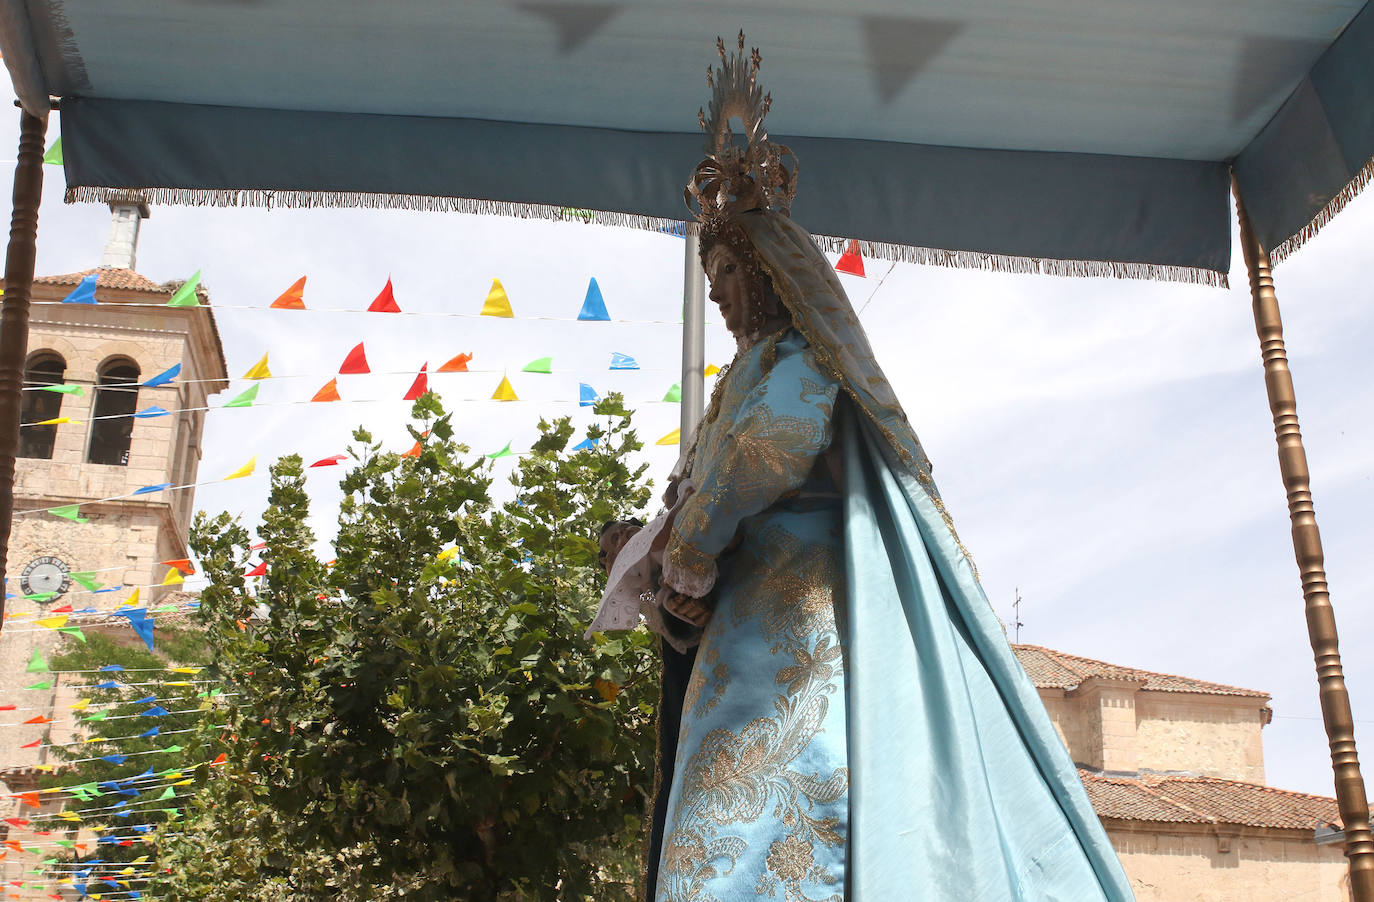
(856, 727)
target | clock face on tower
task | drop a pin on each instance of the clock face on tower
(44, 575)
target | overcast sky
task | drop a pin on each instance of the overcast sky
(1104, 446)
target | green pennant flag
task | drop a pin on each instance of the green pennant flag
(64, 843)
(85, 791)
(87, 580)
(504, 452)
(245, 399)
(64, 389)
(41, 597)
(46, 684)
(542, 365)
(186, 295)
(99, 715)
(173, 748)
(170, 793)
(37, 664)
(53, 157)
(674, 393)
(68, 512)
(72, 631)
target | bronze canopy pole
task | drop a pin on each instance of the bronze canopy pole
(14, 317)
(1307, 547)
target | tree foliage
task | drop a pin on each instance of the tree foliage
(423, 718)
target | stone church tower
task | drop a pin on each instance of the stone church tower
(117, 441)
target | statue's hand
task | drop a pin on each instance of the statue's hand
(693, 610)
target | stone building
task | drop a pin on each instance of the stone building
(114, 436)
(1175, 769)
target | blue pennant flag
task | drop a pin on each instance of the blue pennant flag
(147, 699)
(148, 413)
(594, 307)
(114, 759)
(153, 732)
(587, 395)
(156, 711)
(149, 489)
(147, 773)
(84, 293)
(108, 684)
(143, 625)
(129, 791)
(108, 785)
(110, 668)
(621, 361)
(586, 444)
(163, 377)
(141, 828)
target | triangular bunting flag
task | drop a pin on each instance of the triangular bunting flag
(173, 578)
(504, 391)
(245, 470)
(259, 570)
(52, 623)
(87, 580)
(355, 362)
(149, 413)
(674, 393)
(587, 444)
(150, 489)
(132, 600)
(259, 370)
(672, 438)
(63, 389)
(851, 261)
(292, 298)
(711, 369)
(244, 399)
(331, 461)
(385, 302)
(37, 664)
(163, 377)
(420, 385)
(84, 292)
(586, 395)
(414, 450)
(69, 512)
(497, 302)
(504, 452)
(186, 295)
(329, 392)
(53, 155)
(621, 361)
(45, 684)
(594, 306)
(57, 421)
(457, 364)
(182, 563)
(542, 365)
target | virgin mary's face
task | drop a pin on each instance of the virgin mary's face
(729, 287)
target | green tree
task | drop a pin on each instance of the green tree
(423, 718)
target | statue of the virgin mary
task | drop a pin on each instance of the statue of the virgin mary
(856, 726)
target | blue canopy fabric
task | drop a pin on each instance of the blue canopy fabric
(1075, 136)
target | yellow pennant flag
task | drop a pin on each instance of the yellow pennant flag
(447, 553)
(133, 600)
(69, 816)
(504, 391)
(711, 369)
(671, 438)
(245, 470)
(184, 669)
(173, 578)
(497, 303)
(53, 623)
(259, 370)
(57, 421)
(81, 705)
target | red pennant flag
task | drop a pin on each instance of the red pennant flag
(7, 707)
(458, 364)
(183, 564)
(851, 261)
(355, 362)
(32, 745)
(293, 298)
(386, 301)
(16, 822)
(220, 759)
(30, 799)
(331, 461)
(259, 570)
(63, 609)
(330, 391)
(420, 385)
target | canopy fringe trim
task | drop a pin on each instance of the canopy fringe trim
(1352, 189)
(306, 200)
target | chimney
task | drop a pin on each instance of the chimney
(127, 209)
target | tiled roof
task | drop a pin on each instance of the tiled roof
(1050, 669)
(122, 279)
(1206, 800)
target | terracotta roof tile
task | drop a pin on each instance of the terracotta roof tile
(122, 279)
(1206, 800)
(1050, 669)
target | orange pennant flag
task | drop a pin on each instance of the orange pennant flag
(385, 302)
(182, 563)
(458, 364)
(413, 452)
(330, 392)
(30, 799)
(420, 385)
(293, 298)
(39, 719)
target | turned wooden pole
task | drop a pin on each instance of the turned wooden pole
(14, 316)
(1307, 547)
